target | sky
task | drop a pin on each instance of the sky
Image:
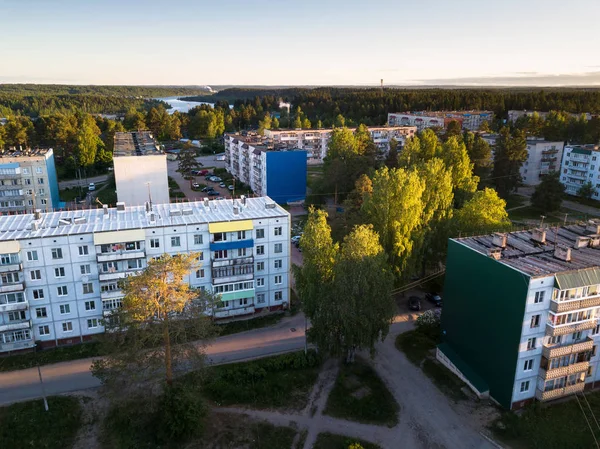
(300, 42)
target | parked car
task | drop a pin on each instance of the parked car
(92, 187)
(195, 185)
(215, 179)
(222, 185)
(295, 238)
(212, 193)
(207, 189)
(203, 172)
(434, 298)
(414, 303)
(230, 187)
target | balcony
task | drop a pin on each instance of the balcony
(17, 345)
(15, 325)
(8, 288)
(577, 175)
(112, 276)
(559, 392)
(228, 262)
(234, 312)
(574, 304)
(114, 294)
(14, 306)
(551, 352)
(563, 371)
(11, 267)
(564, 329)
(120, 255)
(232, 278)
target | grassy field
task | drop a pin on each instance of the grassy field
(360, 395)
(27, 425)
(531, 213)
(555, 426)
(233, 327)
(47, 356)
(331, 441)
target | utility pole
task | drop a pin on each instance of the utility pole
(43, 389)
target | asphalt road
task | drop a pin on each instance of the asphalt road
(23, 385)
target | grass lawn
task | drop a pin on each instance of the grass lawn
(70, 194)
(514, 201)
(417, 346)
(234, 327)
(360, 395)
(331, 441)
(107, 194)
(281, 381)
(47, 356)
(585, 201)
(556, 426)
(27, 425)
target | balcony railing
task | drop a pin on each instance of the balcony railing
(225, 313)
(563, 371)
(113, 294)
(232, 278)
(559, 392)
(17, 345)
(570, 328)
(110, 276)
(227, 262)
(17, 266)
(120, 255)
(16, 287)
(551, 352)
(14, 306)
(574, 304)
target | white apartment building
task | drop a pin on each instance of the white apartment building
(315, 141)
(469, 120)
(140, 169)
(59, 271)
(580, 164)
(521, 317)
(28, 181)
(514, 115)
(543, 157)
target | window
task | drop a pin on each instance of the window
(199, 274)
(278, 248)
(16, 316)
(243, 301)
(39, 170)
(88, 288)
(221, 254)
(175, 241)
(588, 372)
(531, 343)
(241, 252)
(90, 305)
(57, 253)
(528, 365)
(32, 255)
(154, 243)
(40, 180)
(278, 263)
(65, 309)
(67, 326)
(260, 233)
(44, 330)
(41, 312)
(134, 263)
(535, 321)
(220, 236)
(59, 272)
(85, 269)
(596, 330)
(197, 239)
(36, 275)
(278, 279)
(42, 192)
(10, 278)
(555, 340)
(539, 297)
(524, 386)
(278, 295)
(260, 250)
(241, 235)
(38, 294)
(277, 231)
(260, 266)
(83, 250)
(92, 323)
(62, 290)
(260, 282)
(25, 171)
(577, 335)
(200, 255)
(260, 298)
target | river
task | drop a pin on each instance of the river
(181, 105)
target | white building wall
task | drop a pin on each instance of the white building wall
(577, 169)
(542, 158)
(133, 174)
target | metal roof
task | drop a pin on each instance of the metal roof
(15, 227)
(580, 278)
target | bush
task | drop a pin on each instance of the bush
(429, 323)
(180, 412)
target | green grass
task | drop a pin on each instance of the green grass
(415, 345)
(27, 425)
(268, 436)
(360, 395)
(446, 381)
(514, 201)
(555, 426)
(234, 327)
(280, 381)
(331, 441)
(107, 194)
(585, 201)
(70, 194)
(47, 356)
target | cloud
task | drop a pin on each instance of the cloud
(521, 79)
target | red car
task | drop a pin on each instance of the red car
(203, 172)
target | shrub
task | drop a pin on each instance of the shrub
(180, 412)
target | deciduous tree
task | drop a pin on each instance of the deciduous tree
(587, 190)
(549, 193)
(509, 155)
(485, 212)
(88, 141)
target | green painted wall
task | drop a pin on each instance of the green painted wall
(482, 318)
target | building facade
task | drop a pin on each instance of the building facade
(521, 313)
(279, 174)
(28, 181)
(140, 169)
(514, 115)
(469, 120)
(581, 164)
(543, 157)
(59, 271)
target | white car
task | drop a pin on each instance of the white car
(92, 187)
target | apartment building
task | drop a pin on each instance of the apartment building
(140, 169)
(315, 141)
(28, 181)
(59, 271)
(469, 120)
(514, 115)
(521, 313)
(580, 164)
(279, 174)
(543, 157)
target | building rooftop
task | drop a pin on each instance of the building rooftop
(15, 227)
(140, 143)
(544, 252)
(14, 152)
(583, 149)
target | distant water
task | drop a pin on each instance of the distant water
(180, 105)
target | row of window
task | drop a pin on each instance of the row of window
(260, 299)
(65, 309)
(67, 326)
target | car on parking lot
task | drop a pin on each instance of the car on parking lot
(195, 185)
(434, 298)
(203, 172)
(230, 187)
(92, 187)
(214, 179)
(222, 185)
(414, 303)
(207, 189)
(212, 193)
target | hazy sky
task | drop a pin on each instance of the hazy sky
(300, 41)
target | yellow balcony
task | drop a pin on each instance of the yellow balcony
(551, 352)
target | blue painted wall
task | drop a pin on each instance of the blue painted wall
(53, 181)
(286, 175)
